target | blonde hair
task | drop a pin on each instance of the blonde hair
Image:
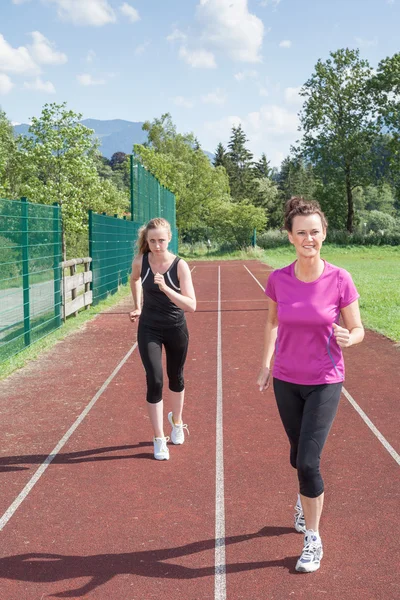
(157, 223)
(298, 206)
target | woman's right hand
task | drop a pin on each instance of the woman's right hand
(134, 315)
(263, 379)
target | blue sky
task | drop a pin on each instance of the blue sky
(210, 63)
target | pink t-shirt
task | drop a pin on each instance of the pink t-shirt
(306, 351)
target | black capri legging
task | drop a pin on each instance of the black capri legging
(150, 342)
(307, 413)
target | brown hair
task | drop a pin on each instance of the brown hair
(156, 223)
(297, 205)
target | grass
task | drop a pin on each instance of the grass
(375, 271)
(46, 343)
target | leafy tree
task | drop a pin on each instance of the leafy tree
(379, 221)
(59, 161)
(234, 222)
(174, 160)
(339, 123)
(270, 199)
(117, 160)
(9, 178)
(297, 178)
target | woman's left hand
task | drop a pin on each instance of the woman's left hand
(342, 336)
(160, 281)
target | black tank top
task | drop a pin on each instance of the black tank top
(158, 310)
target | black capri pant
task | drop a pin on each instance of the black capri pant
(307, 413)
(150, 342)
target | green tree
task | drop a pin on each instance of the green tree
(339, 123)
(9, 173)
(240, 166)
(220, 157)
(174, 160)
(262, 168)
(59, 161)
(297, 178)
(234, 222)
(270, 199)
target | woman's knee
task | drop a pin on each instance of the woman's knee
(176, 383)
(154, 390)
(311, 484)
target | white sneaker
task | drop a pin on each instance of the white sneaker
(177, 434)
(161, 451)
(299, 520)
(310, 559)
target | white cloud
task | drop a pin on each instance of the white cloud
(291, 95)
(246, 75)
(183, 102)
(229, 26)
(43, 51)
(273, 3)
(198, 59)
(363, 43)
(16, 60)
(390, 1)
(91, 55)
(6, 85)
(263, 91)
(20, 1)
(128, 11)
(176, 35)
(285, 44)
(141, 49)
(38, 85)
(84, 12)
(272, 120)
(272, 129)
(217, 97)
(86, 79)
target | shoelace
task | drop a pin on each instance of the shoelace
(163, 442)
(299, 515)
(309, 551)
(182, 426)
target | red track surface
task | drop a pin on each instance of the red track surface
(106, 521)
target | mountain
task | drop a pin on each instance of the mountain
(114, 135)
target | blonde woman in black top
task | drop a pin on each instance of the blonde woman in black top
(166, 283)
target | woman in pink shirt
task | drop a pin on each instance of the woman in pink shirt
(305, 302)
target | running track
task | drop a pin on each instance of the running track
(88, 513)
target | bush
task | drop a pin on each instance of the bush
(272, 238)
(372, 238)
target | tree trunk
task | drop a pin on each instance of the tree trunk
(350, 203)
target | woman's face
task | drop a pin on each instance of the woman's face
(158, 240)
(307, 235)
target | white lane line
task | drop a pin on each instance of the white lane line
(372, 427)
(220, 564)
(35, 478)
(255, 278)
(360, 411)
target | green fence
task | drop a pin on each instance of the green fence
(111, 246)
(112, 240)
(150, 199)
(30, 273)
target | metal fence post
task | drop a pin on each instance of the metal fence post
(91, 254)
(56, 264)
(25, 270)
(132, 194)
